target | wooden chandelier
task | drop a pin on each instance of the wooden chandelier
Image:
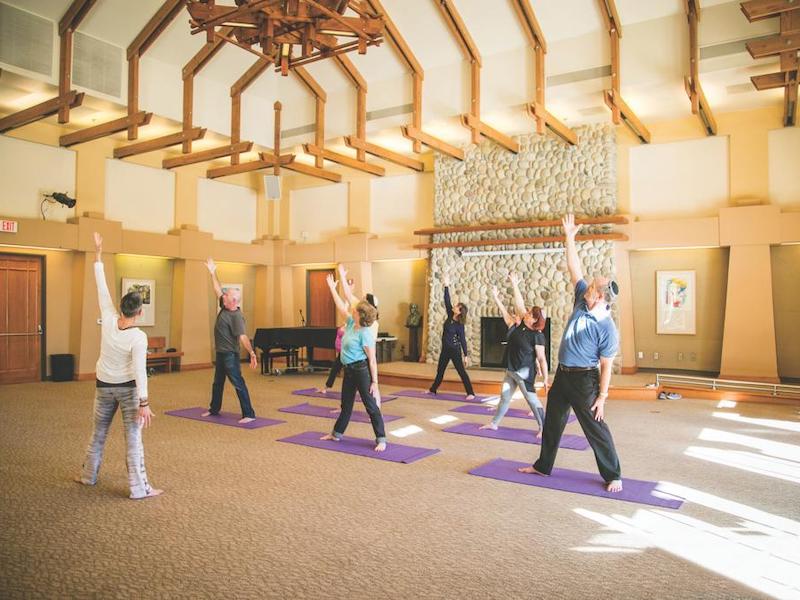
(289, 33)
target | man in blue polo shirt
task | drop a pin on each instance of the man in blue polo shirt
(590, 337)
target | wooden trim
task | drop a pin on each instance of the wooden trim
(314, 171)
(73, 99)
(313, 86)
(205, 54)
(346, 161)
(530, 25)
(619, 237)
(414, 134)
(351, 71)
(459, 29)
(276, 151)
(267, 161)
(774, 45)
(615, 102)
(384, 153)
(206, 155)
(74, 15)
(771, 81)
(694, 90)
(154, 27)
(249, 76)
(756, 10)
(159, 143)
(611, 220)
(105, 129)
(395, 37)
(485, 130)
(608, 10)
(546, 119)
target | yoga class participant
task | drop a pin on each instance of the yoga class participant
(337, 362)
(525, 339)
(121, 382)
(229, 331)
(589, 337)
(454, 342)
(360, 364)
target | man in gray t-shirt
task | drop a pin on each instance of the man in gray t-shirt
(229, 332)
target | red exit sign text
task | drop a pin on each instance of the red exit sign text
(8, 226)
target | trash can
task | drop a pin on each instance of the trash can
(62, 367)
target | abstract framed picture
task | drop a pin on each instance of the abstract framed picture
(147, 289)
(675, 302)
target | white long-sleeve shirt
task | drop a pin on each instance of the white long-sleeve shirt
(123, 352)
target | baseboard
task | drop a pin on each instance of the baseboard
(196, 366)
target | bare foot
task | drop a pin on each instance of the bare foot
(80, 480)
(151, 494)
(206, 414)
(428, 392)
(329, 437)
(245, 420)
(489, 425)
(322, 390)
(530, 471)
(530, 413)
(539, 435)
(614, 486)
(470, 397)
(380, 447)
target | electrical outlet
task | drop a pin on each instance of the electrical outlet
(680, 355)
(641, 354)
(655, 355)
(693, 356)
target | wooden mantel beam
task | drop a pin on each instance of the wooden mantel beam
(621, 237)
(608, 220)
(40, 111)
(67, 25)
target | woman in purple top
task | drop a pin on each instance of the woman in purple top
(454, 342)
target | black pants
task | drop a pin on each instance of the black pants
(578, 390)
(357, 377)
(446, 356)
(335, 368)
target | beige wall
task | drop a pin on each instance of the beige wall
(786, 299)
(145, 267)
(711, 267)
(398, 284)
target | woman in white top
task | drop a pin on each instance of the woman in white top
(121, 382)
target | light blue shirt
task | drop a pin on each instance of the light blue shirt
(353, 342)
(589, 334)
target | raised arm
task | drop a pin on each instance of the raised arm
(347, 288)
(503, 312)
(212, 268)
(519, 302)
(103, 295)
(573, 262)
(341, 305)
(448, 305)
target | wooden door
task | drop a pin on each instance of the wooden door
(20, 318)
(320, 308)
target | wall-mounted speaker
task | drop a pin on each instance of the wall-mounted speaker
(272, 187)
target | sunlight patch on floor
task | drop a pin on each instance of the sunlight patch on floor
(406, 431)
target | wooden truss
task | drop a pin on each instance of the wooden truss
(72, 99)
(413, 132)
(784, 45)
(620, 111)
(472, 119)
(700, 106)
(544, 120)
(279, 27)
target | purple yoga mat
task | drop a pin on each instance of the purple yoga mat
(312, 410)
(442, 396)
(472, 409)
(349, 445)
(510, 434)
(223, 418)
(334, 395)
(567, 480)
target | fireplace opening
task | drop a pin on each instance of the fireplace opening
(493, 342)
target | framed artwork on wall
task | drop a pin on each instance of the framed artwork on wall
(147, 289)
(239, 287)
(675, 302)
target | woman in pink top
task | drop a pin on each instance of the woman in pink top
(337, 363)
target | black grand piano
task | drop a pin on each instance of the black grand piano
(284, 342)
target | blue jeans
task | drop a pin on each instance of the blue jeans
(228, 365)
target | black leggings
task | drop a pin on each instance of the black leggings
(445, 357)
(357, 378)
(335, 368)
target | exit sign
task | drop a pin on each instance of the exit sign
(8, 226)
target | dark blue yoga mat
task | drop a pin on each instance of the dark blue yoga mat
(394, 452)
(567, 480)
(312, 410)
(223, 418)
(519, 413)
(511, 434)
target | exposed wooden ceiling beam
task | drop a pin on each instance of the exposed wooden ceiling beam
(772, 80)
(146, 37)
(40, 111)
(72, 18)
(311, 170)
(384, 153)
(547, 120)
(774, 45)
(320, 97)
(694, 90)
(267, 162)
(530, 25)
(345, 161)
(237, 89)
(105, 129)
(620, 237)
(361, 100)
(756, 10)
(313, 86)
(620, 111)
(412, 133)
(206, 155)
(159, 143)
(469, 48)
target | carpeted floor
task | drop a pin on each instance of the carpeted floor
(247, 517)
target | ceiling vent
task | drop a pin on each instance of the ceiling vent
(26, 40)
(97, 65)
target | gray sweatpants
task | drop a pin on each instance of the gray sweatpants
(105, 406)
(512, 381)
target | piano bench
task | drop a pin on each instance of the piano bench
(290, 354)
